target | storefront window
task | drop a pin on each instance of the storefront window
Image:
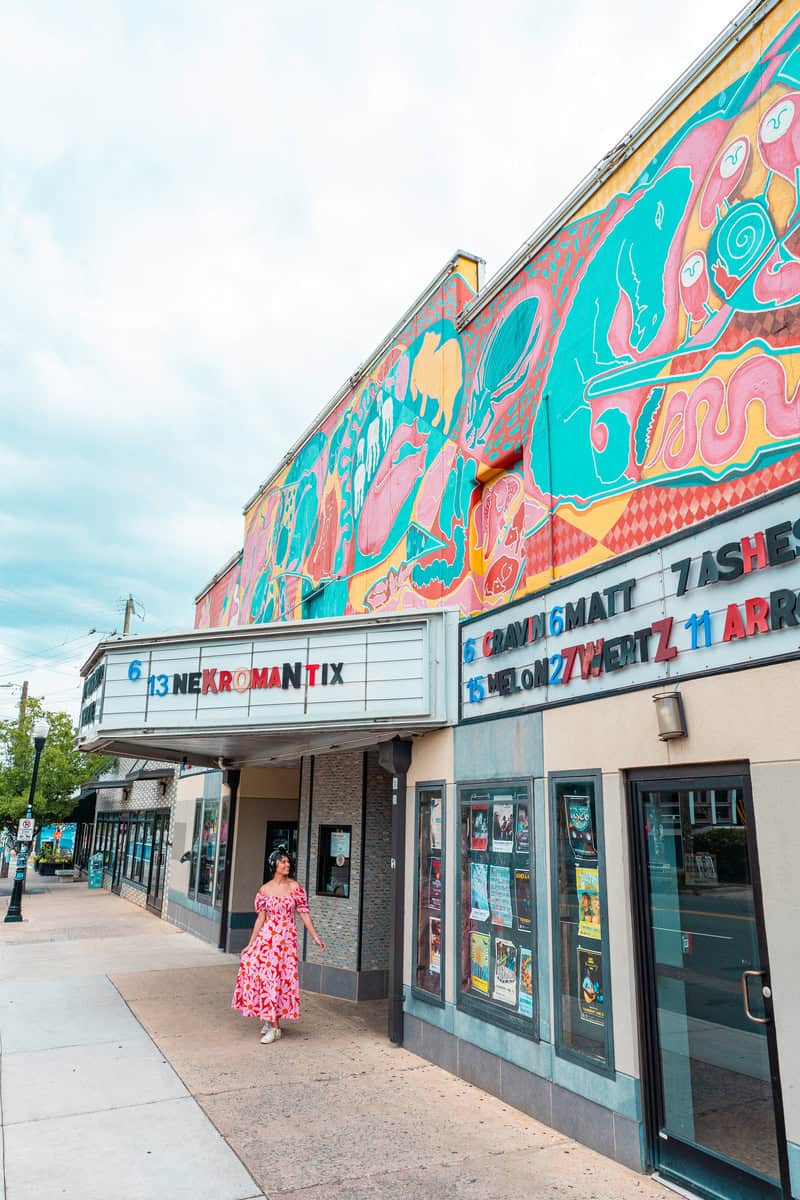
(497, 910)
(222, 854)
(429, 892)
(209, 846)
(580, 935)
(333, 862)
(208, 851)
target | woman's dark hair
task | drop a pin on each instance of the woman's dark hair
(278, 853)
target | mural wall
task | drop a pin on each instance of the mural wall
(640, 374)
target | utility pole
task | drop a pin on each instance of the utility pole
(23, 701)
(126, 628)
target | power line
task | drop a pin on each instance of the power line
(47, 649)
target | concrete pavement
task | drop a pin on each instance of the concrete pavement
(122, 1058)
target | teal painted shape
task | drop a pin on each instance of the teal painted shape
(331, 601)
(790, 71)
(641, 434)
(503, 367)
(629, 263)
(421, 541)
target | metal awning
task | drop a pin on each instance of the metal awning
(271, 693)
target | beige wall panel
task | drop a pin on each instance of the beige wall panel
(776, 793)
(620, 925)
(746, 715)
(266, 783)
(252, 816)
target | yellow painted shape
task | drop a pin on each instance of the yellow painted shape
(467, 268)
(436, 375)
(597, 520)
(598, 554)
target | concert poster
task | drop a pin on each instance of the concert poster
(580, 828)
(479, 962)
(505, 972)
(522, 893)
(479, 835)
(591, 1000)
(500, 896)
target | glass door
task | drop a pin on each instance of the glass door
(714, 1097)
(158, 862)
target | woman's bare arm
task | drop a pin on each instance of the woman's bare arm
(309, 924)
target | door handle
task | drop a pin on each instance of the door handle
(747, 1012)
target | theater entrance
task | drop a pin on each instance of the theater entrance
(710, 1067)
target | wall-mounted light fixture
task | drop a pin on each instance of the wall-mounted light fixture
(670, 715)
(125, 794)
(162, 788)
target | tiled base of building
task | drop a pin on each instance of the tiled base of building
(195, 922)
(591, 1124)
(346, 985)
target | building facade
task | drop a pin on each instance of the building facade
(508, 657)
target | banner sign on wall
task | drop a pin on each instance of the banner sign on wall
(724, 596)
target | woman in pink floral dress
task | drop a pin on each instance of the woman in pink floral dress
(268, 986)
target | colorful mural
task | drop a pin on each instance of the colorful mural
(640, 374)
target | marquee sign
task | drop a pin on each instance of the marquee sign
(362, 670)
(724, 596)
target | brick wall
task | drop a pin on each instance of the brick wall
(336, 800)
(377, 868)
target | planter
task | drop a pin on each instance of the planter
(47, 868)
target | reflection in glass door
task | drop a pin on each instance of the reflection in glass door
(120, 843)
(715, 1104)
(158, 861)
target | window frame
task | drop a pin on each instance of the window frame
(595, 776)
(204, 899)
(512, 1022)
(419, 992)
(322, 831)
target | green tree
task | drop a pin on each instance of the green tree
(62, 769)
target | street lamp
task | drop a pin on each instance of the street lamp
(40, 732)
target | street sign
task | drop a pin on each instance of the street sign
(25, 830)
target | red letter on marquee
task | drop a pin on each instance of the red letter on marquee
(734, 625)
(754, 553)
(756, 612)
(487, 644)
(274, 678)
(258, 679)
(312, 669)
(664, 652)
(209, 682)
(225, 678)
(570, 654)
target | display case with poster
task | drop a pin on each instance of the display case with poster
(583, 1003)
(496, 911)
(429, 914)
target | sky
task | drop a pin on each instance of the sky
(210, 215)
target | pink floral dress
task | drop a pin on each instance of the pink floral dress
(267, 986)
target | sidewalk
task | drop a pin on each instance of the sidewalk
(125, 1075)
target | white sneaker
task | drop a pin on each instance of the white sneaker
(278, 1032)
(269, 1036)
